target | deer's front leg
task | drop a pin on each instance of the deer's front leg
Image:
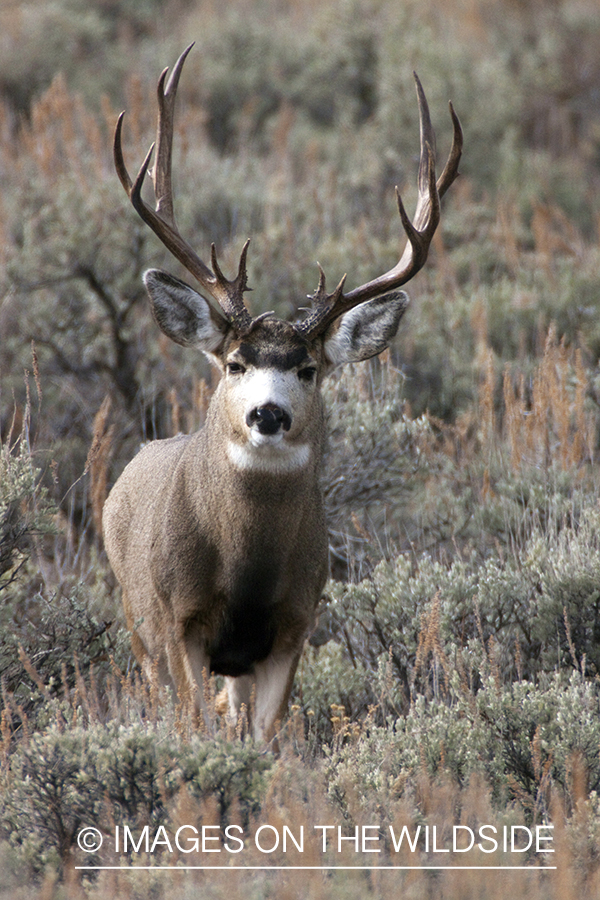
(189, 666)
(273, 677)
(272, 683)
(239, 692)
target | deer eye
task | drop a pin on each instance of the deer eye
(235, 368)
(307, 374)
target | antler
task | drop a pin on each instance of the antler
(228, 294)
(328, 307)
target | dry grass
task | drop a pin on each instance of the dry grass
(98, 460)
(532, 414)
(544, 420)
(431, 661)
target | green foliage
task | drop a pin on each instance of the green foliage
(49, 645)
(26, 511)
(251, 71)
(522, 737)
(78, 38)
(376, 464)
(398, 633)
(70, 776)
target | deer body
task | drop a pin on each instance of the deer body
(218, 539)
(239, 551)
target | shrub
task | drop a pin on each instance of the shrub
(70, 776)
(522, 737)
(26, 511)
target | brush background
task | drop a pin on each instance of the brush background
(453, 678)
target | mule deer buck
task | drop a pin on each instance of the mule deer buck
(218, 538)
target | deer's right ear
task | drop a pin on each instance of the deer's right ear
(183, 314)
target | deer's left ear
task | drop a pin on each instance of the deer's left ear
(366, 330)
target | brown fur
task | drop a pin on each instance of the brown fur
(182, 526)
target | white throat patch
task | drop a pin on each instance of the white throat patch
(276, 458)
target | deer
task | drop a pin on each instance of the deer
(219, 538)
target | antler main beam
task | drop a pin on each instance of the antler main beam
(228, 294)
(328, 307)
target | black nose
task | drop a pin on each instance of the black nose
(269, 419)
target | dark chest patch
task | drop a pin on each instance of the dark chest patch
(249, 625)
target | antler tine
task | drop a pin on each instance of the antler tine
(328, 307)
(228, 294)
(450, 171)
(161, 175)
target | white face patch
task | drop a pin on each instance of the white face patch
(265, 440)
(259, 387)
(276, 458)
(254, 450)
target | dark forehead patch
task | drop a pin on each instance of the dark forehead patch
(269, 351)
(248, 353)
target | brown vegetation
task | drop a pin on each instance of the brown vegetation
(453, 678)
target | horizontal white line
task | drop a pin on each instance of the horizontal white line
(320, 868)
